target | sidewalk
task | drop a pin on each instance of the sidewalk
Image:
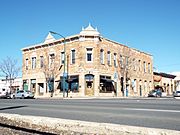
(54, 126)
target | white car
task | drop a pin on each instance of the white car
(176, 94)
(22, 94)
(3, 93)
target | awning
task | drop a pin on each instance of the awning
(107, 80)
(71, 79)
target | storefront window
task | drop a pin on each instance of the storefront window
(106, 84)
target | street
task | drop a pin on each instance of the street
(152, 112)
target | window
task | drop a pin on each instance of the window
(33, 62)
(72, 56)
(62, 57)
(144, 67)
(109, 58)
(41, 61)
(139, 65)
(115, 60)
(127, 61)
(149, 68)
(102, 56)
(26, 64)
(51, 59)
(121, 61)
(134, 64)
(89, 56)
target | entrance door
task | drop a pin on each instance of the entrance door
(89, 88)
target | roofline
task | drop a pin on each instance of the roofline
(127, 46)
(48, 43)
(164, 75)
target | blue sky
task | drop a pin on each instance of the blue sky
(152, 26)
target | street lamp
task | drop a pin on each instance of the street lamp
(64, 72)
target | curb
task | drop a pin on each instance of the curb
(57, 126)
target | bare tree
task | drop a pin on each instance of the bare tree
(50, 68)
(9, 69)
(127, 65)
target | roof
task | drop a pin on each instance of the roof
(89, 31)
(49, 38)
(164, 75)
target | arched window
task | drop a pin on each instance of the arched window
(102, 56)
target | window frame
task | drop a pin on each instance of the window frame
(41, 61)
(33, 62)
(89, 52)
(102, 56)
(27, 64)
(73, 56)
(109, 58)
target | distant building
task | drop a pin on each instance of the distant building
(165, 82)
(94, 66)
(16, 84)
(177, 80)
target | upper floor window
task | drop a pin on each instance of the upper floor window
(89, 55)
(149, 68)
(144, 67)
(121, 61)
(115, 60)
(127, 61)
(139, 65)
(51, 59)
(33, 62)
(72, 56)
(62, 57)
(109, 58)
(134, 63)
(27, 64)
(102, 56)
(41, 61)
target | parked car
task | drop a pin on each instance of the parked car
(176, 94)
(22, 94)
(155, 93)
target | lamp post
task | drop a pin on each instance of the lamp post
(64, 72)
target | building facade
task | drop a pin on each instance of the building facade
(93, 66)
(165, 82)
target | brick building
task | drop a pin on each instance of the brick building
(94, 66)
(165, 82)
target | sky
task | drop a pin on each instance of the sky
(152, 26)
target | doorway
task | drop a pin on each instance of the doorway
(89, 85)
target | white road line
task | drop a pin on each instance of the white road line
(152, 110)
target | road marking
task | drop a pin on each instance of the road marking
(152, 110)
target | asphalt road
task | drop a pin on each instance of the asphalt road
(155, 113)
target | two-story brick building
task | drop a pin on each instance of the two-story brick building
(94, 65)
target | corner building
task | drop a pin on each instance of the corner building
(93, 66)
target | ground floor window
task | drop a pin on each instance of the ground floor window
(106, 84)
(33, 85)
(41, 88)
(71, 83)
(25, 84)
(74, 83)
